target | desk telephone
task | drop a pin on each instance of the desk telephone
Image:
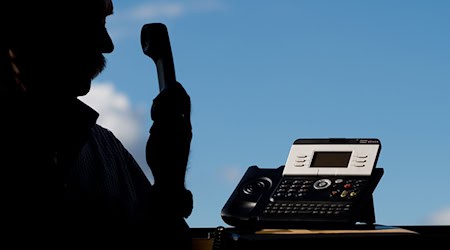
(324, 182)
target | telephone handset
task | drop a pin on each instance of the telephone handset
(324, 183)
(155, 44)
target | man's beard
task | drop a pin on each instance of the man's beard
(96, 66)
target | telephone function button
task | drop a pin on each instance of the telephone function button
(322, 184)
(300, 161)
(339, 189)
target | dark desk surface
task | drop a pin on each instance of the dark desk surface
(378, 236)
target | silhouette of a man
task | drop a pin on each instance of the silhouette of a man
(61, 173)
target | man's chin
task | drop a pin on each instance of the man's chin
(84, 90)
(79, 88)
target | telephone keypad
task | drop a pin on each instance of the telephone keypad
(324, 196)
(307, 208)
(321, 189)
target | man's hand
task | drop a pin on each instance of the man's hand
(172, 103)
(169, 142)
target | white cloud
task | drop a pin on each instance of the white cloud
(116, 112)
(127, 23)
(172, 9)
(441, 217)
(157, 10)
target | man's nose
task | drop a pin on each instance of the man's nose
(107, 43)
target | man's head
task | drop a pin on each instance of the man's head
(56, 47)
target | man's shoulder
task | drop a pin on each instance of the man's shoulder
(102, 132)
(105, 140)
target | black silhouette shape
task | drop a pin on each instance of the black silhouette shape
(63, 176)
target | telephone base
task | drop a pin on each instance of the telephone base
(252, 205)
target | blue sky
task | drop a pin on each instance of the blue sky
(264, 73)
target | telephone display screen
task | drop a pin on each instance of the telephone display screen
(330, 159)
